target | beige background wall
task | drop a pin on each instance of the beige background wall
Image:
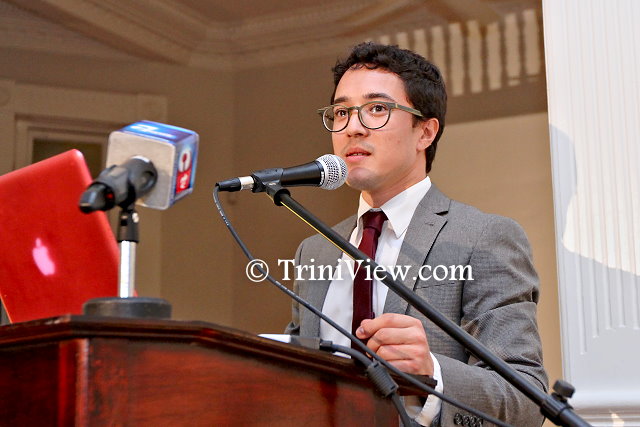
(496, 159)
(197, 99)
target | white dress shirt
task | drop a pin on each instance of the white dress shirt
(338, 302)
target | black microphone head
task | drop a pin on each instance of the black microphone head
(98, 197)
(335, 171)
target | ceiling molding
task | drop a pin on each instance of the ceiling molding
(126, 26)
(25, 31)
(169, 31)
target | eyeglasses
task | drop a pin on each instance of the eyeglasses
(373, 115)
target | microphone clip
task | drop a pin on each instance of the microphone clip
(264, 181)
(266, 178)
(275, 191)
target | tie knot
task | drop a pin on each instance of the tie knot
(374, 220)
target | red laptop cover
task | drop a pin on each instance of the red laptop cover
(53, 257)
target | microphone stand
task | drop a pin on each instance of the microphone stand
(555, 407)
(126, 304)
(127, 240)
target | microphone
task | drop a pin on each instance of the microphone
(119, 185)
(148, 160)
(327, 172)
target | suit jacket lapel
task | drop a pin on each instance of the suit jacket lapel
(423, 229)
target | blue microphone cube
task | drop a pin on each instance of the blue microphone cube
(172, 150)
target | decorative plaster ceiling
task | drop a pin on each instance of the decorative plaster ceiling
(221, 34)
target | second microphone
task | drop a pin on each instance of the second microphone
(327, 172)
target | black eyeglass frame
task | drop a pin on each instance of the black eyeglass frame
(390, 105)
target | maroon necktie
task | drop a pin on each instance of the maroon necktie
(362, 288)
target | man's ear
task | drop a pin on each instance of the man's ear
(429, 130)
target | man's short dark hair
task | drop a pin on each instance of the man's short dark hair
(422, 80)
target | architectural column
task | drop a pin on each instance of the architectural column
(593, 72)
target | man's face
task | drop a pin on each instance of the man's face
(385, 161)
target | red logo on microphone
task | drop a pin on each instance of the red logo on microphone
(183, 180)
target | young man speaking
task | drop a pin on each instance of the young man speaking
(385, 118)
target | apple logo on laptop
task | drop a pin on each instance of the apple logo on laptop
(43, 259)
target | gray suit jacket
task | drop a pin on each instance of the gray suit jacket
(497, 307)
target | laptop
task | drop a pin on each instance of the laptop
(53, 257)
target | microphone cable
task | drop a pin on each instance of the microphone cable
(352, 338)
(378, 375)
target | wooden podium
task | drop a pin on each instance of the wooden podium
(91, 371)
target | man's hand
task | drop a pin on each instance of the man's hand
(400, 340)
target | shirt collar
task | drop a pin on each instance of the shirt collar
(400, 208)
